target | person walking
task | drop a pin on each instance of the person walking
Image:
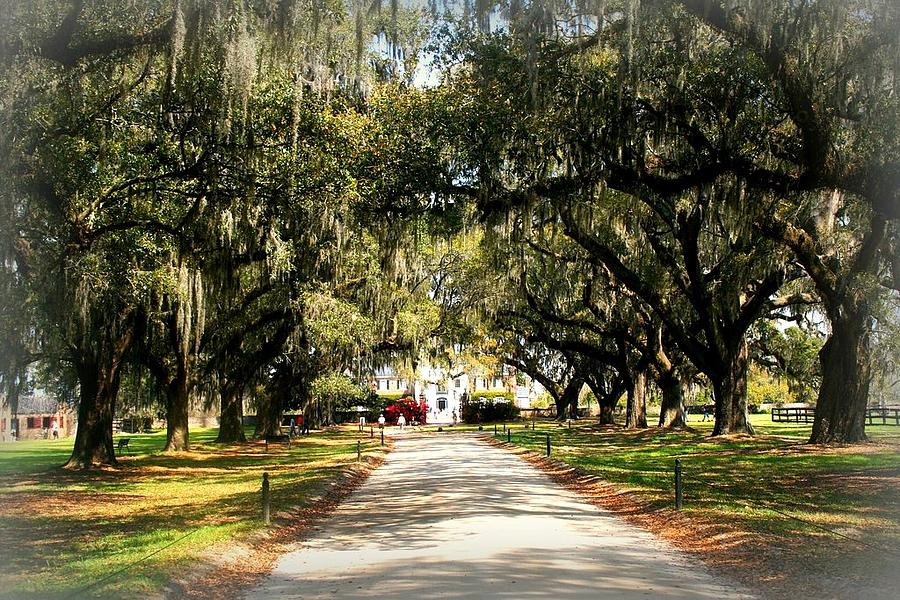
(381, 422)
(401, 421)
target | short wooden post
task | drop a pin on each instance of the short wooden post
(495, 429)
(677, 484)
(382, 437)
(358, 451)
(548, 444)
(508, 435)
(532, 425)
(372, 432)
(266, 499)
(504, 427)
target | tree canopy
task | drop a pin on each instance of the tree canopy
(262, 198)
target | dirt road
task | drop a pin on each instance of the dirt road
(452, 517)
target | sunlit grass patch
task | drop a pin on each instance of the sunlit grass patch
(771, 486)
(71, 533)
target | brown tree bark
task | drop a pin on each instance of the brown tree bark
(177, 408)
(671, 414)
(846, 374)
(269, 413)
(730, 393)
(99, 387)
(231, 418)
(636, 413)
(96, 406)
(567, 402)
(98, 365)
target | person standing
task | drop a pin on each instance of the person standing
(401, 421)
(55, 430)
(381, 422)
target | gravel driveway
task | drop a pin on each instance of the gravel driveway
(450, 516)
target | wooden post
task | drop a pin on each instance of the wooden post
(382, 437)
(495, 429)
(508, 435)
(358, 451)
(372, 431)
(677, 484)
(548, 445)
(266, 499)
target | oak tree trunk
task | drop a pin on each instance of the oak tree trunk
(99, 387)
(268, 417)
(636, 413)
(730, 393)
(846, 374)
(231, 419)
(671, 414)
(177, 408)
(567, 403)
(607, 413)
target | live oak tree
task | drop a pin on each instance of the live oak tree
(136, 149)
(656, 231)
(831, 68)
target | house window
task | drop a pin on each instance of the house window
(458, 383)
(30, 423)
(442, 404)
(46, 423)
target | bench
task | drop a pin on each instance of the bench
(123, 444)
(278, 438)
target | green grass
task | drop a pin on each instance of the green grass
(773, 487)
(65, 531)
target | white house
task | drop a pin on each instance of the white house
(443, 391)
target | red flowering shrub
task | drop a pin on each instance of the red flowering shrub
(409, 408)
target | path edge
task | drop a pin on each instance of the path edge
(228, 571)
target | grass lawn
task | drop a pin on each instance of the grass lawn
(827, 508)
(65, 532)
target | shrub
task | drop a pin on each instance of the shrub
(479, 410)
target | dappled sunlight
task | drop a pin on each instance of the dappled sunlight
(69, 527)
(747, 500)
(448, 517)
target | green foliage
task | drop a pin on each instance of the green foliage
(763, 388)
(793, 355)
(337, 390)
(544, 400)
(483, 409)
